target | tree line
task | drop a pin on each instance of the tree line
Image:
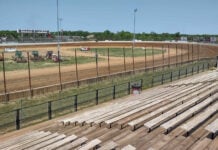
(118, 36)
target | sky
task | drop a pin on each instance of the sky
(160, 16)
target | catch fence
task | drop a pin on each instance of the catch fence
(35, 77)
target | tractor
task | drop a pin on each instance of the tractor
(35, 56)
(19, 58)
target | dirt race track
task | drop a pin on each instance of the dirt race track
(173, 53)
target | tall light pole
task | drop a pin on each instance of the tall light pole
(135, 10)
(58, 42)
(58, 19)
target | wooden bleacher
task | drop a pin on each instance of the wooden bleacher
(180, 115)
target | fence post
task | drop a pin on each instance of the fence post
(217, 61)
(192, 69)
(168, 56)
(17, 119)
(114, 92)
(49, 111)
(129, 88)
(141, 83)
(153, 58)
(162, 78)
(171, 76)
(145, 58)
(77, 75)
(29, 74)
(124, 59)
(186, 72)
(133, 60)
(96, 62)
(152, 81)
(108, 59)
(96, 98)
(59, 70)
(179, 73)
(163, 57)
(75, 103)
(4, 76)
(176, 55)
(203, 67)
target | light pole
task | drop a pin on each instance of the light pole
(61, 29)
(58, 42)
(135, 10)
(58, 39)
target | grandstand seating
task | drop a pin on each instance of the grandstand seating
(180, 115)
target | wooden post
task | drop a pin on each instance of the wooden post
(96, 61)
(181, 54)
(168, 56)
(133, 61)
(59, 69)
(108, 54)
(188, 53)
(145, 58)
(77, 77)
(4, 76)
(176, 55)
(124, 59)
(163, 57)
(192, 53)
(153, 57)
(29, 74)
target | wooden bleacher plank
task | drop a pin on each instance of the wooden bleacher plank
(189, 113)
(190, 125)
(96, 112)
(136, 120)
(214, 144)
(45, 143)
(108, 146)
(202, 145)
(60, 143)
(113, 111)
(134, 124)
(17, 139)
(38, 141)
(128, 147)
(132, 110)
(78, 142)
(213, 127)
(164, 98)
(111, 121)
(40, 134)
(177, 110)
(90, 145)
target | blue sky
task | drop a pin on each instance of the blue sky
(184, 16)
